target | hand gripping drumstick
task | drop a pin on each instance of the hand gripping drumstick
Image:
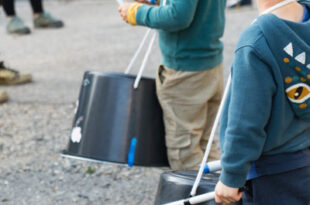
(198, 199)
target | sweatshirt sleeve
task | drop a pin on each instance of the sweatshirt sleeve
(175, 16)
(245, 116)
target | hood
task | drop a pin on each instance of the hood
(290, 44)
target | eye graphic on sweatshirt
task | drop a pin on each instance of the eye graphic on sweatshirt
(298, 93)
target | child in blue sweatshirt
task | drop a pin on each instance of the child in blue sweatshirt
(265, 126)
(189, 81)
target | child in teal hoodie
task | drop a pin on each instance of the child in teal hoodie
(265, 126)
(189, 82)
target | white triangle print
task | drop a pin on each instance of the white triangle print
(289, 49)
(308, 66)
(301, 58)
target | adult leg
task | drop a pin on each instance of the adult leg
(9, 7)
(15, 24)
(43, 19)
(37, 6)
(183, 97)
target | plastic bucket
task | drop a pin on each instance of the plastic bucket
(116, 123)
(177, 185)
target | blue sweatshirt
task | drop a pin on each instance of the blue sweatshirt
(189, 32)
(267, 111)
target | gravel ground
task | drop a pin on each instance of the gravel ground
(36, 122)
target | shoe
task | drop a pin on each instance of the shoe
(3, 96)
(12, 77)
(17, 26)
(239, 3)
(45, 20)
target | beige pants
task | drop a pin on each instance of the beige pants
(190, 101)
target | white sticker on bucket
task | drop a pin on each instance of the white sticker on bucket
(76, 135)
(86, 82)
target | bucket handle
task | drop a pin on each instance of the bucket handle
(137, 52)
(134, 58)
(146, 56)
(195, 200)
(199, 199)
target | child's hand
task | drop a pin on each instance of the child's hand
(225, 194)
(123, 9)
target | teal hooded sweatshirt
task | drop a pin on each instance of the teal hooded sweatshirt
(189, 32)
(267, 110)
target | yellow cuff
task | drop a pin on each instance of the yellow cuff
(131, 13)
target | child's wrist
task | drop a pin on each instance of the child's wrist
(132, 12)
(232, 179)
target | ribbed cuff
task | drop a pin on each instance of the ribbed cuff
(131, 13)
(232, 180)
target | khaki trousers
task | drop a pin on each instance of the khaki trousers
(189, 101)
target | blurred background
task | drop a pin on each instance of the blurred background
(36, 122)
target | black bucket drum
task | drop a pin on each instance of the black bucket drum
(116, 123)
(177, 185)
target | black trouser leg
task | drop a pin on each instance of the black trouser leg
(8, 6)
(37, 6)
(245, 2)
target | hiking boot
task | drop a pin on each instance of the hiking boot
(17, 26)
(9, 76)
(3, 96)
(45, 20)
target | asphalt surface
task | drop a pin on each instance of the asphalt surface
(36, 122)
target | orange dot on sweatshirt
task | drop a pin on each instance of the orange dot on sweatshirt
(288, 79)
(302, 106)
